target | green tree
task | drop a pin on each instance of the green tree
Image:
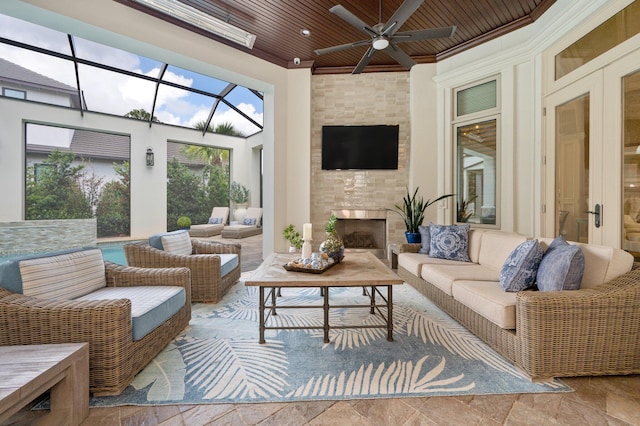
(185, 195)
(54, 192)
(208, 154)
(113, 211)
(141, 114)
(227, 129)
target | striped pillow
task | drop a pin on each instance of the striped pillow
(63, 277)
(177, 243)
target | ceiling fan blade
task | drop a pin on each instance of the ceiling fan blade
(353, 20)
(364, 61)
(398, 54)
(400, 16)
(341, 47)
(428, 34)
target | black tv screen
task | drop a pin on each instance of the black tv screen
(360, 147)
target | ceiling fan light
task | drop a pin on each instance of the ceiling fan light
(380, 43)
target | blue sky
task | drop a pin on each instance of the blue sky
(118, 94)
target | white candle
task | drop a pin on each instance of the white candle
(307, 232)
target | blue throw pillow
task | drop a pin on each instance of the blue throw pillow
(214, 220)
(449, 242)
(561, 268)
(520, 269)
(425, 239)
(247, 221)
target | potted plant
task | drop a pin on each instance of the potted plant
(183, 222)
(294, 238)
(412, 212)
(239, 194)
(333, 245)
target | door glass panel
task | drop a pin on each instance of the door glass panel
(477, 172)
(572, 169)
(631, 170)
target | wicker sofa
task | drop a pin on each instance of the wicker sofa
(594, 330)
(127, 315)
(214, 266)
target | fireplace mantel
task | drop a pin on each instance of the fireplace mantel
(374, 213)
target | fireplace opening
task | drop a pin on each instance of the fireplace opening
(363, 230)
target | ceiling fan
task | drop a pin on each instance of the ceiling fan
(385, 36)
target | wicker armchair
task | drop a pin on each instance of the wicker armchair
(207, 283)
(114, 357)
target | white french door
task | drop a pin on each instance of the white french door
(574, 153)
(592, 154)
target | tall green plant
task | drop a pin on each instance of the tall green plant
(413, 208)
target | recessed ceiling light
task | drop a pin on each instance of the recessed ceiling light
(305, 32)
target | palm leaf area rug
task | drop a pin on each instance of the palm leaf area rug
(217, 358)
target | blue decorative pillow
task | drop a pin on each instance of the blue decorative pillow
(214, 220)
(520, 269)
(449, 242)
(425, 239)
(561, 268)
(247, 221)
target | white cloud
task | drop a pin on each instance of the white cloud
(112, 92)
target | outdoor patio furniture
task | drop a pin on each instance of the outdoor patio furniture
(127, 315)
(218, 219)
(214, 266)
(250, 225)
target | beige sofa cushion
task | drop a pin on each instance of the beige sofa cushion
(496, 246)
(601, 263)
(488, 299)
(475, 240)
(413, 262)
(443, 276)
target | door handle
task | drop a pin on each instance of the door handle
(597, 212)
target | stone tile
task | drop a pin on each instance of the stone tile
(103, 417)
(493, 407)
(286, 416)
(137, 415)
(523, 414)
(312, 409)
(450, 411)
(624, 408)
(252, 414)
(200, 415)
(385, 411)
(341, 413)
(544, 403)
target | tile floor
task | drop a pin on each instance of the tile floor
(596, 401)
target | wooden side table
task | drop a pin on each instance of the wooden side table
(29, 371)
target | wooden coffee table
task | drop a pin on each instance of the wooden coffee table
(358, 269)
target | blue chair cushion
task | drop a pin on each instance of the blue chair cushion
(449, 242)
(151, 306)
(228, 262)
(248, 221)
(156, 240)
(214, 220)
(519, 270)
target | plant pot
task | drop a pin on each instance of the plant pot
(240, 212)
(413, 237)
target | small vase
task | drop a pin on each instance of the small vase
(413, 237)
(333, 247)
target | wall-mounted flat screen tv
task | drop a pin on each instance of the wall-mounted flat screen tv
(360, 147)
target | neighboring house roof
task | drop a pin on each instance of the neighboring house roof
(107, 146)
(16, 74)
(90, 144)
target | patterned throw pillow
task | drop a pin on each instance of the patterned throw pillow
(247, 221)
(449, 242)
(561, 268)
(519, 270)
(425, 239)
(179, 243)
(214, 220)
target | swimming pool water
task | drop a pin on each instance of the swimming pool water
(110, 251)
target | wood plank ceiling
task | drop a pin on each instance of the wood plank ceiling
(278, 24)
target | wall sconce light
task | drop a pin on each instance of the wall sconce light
(149, 157)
